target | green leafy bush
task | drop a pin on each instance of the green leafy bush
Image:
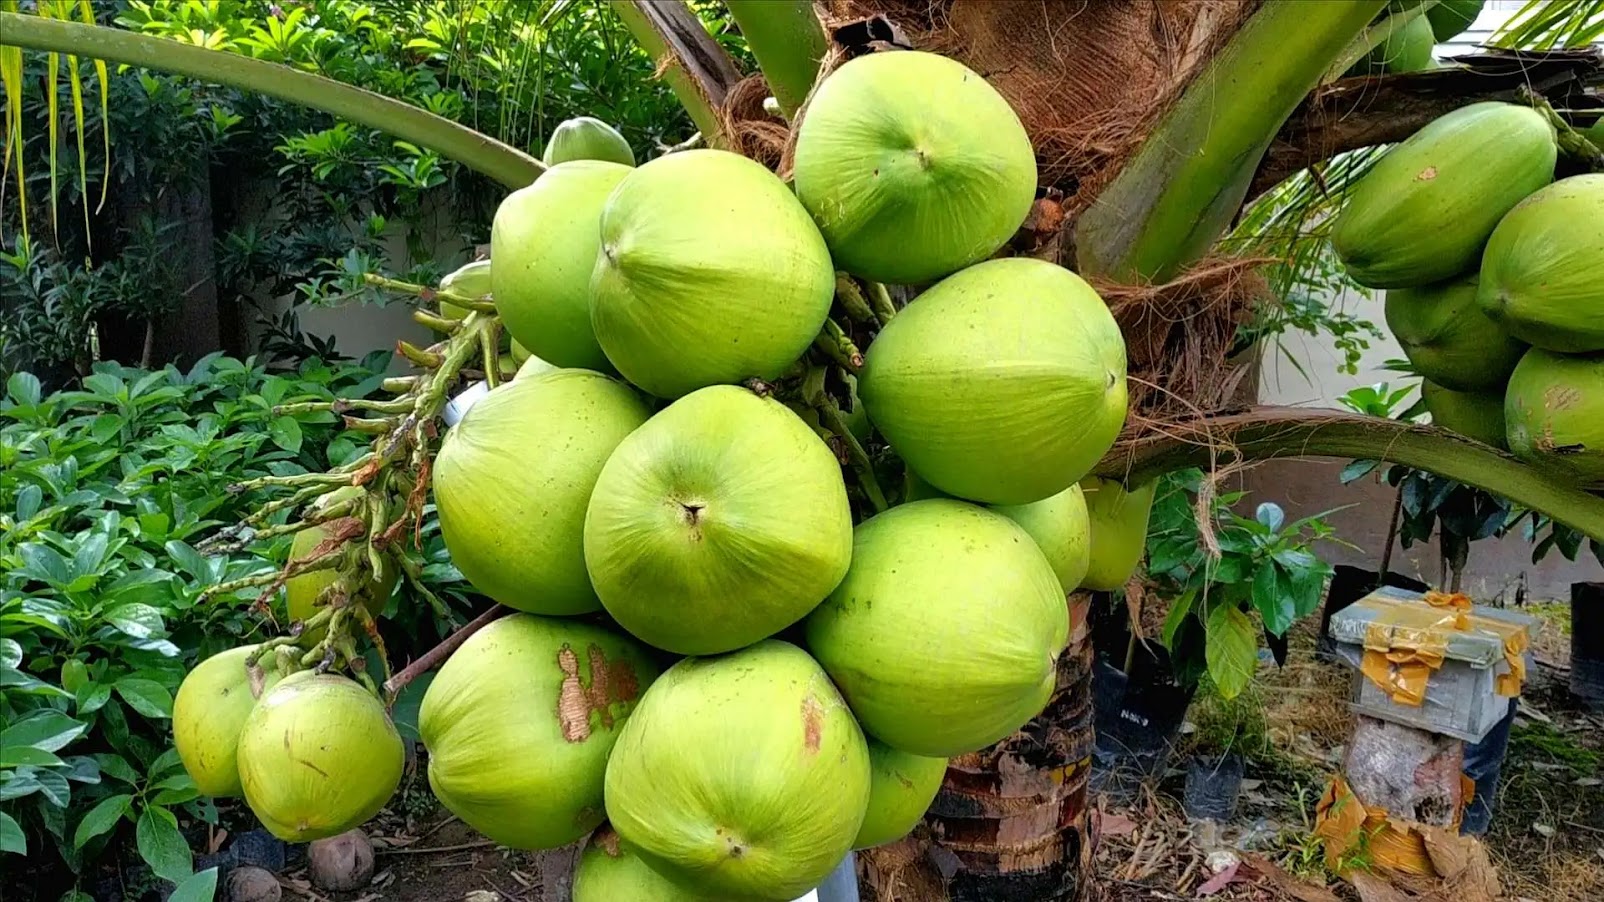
(105, 494)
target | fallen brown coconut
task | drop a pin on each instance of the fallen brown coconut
(341, 863)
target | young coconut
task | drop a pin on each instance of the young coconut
(1004, 383)
(519, 721)
(913, 166)
(1543, 269)
(587, 138)
(513, 478)
(1477, 415)
(1554, 413)
(303, 593)
(1118, 521)
(1448, 338)
(545, 239)
(471, 280)
(318, 756)
(1062, 530)
(610, 870)
(741, 775)
(945, 635)
(711, 272)
(720, 522)
(209, 711)
(901, 787)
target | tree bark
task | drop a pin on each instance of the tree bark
(1365, 112)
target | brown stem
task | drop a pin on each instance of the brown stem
(150, 343)
(1392, 533)
(434, 656)
(1364, 112)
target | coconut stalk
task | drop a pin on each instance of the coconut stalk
(479, 152)
(1270, 433)
(696, 68)
(1175, 198)
(788, 42)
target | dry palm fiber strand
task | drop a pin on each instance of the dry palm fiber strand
(748, 128)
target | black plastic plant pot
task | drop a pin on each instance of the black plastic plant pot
(1348, 585)
(1213, 784)
(1587, 643)
(1137, 717)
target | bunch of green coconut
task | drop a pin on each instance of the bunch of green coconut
(1494, 278)
(739, 664)
(1411, 41)
(720, 654)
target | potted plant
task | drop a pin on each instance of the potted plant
(1225, 733)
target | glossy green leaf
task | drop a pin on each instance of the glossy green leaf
(199, 887)
(162, 845)
(11, 838)
(148, 697)
(1232, 650)
(101, 818)
(45, 729)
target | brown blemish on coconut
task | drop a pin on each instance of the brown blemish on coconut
(607, 841)
(812, 723)
(611, 682)
(1427, 174)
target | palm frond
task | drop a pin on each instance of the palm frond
(1551, 25)
(11, 82)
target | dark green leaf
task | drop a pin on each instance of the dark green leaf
(1272, 597)
(11, 838)
(188, 559)
(45, 729)
(198, 888)
(104, 816)
(29, 499)
(148, 697)
(10, 653)
(137, 620)
(161, 845)
(114, 766)
(285, 433)
(81, 769)
(91, 697)
(20, 755)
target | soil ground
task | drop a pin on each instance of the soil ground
(1547, 836)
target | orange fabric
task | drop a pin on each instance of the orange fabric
(1344, 824)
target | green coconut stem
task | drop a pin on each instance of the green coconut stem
(491, 355)
(1270, 433)
(880, 301)
(343, 405)
(427, 359)
(1185, 184)
(839, 347)
(304, 496)
(244, 582)
(700, 76)
(852, 299)
(369, 426)
(435, 321)
(299, 480)
(788, 42)
(436, 655)
(830, 416)
(414, 575)
(1572, 142)
(482, 153)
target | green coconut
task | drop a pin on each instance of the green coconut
(318, 756)
(720, 522)
(513, 478)
(1004, 383)
(587, 138)
(1423, 212)
(209, 711)
(945, 635)
(471, 280)
(1477, 415)
(913, 166)
(1595, 133)
(301, 593)
(741, 775)
(1408, 49)
(545, 240)
(1447, 337)
(901, 787)
(1554, 413)
(520, 354)
(1543, 270)
(711, 272)
(1119, 531)
(1450, 18)
(530, 689)
(1061, 529)
(610, 870)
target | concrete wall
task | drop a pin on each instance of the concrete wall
(1497, 566)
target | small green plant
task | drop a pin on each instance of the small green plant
(1225, 573)
(108, 494)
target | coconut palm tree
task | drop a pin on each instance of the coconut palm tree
(1158, 126)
